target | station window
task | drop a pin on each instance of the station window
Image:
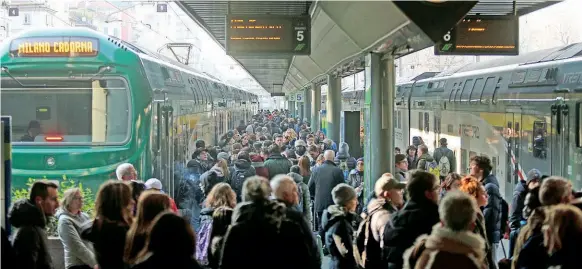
(539, 145)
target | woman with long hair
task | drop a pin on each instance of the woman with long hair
(562, 230)
(451, 182)
(113, 216)
(78, 253)
(150, 204)
(304, 168)
(471, 185)
(215, 218)
(170, 244)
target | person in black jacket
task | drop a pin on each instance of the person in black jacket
(30, 241)
(339, 223)
(516, 218)
(416, 218)
(323, 179)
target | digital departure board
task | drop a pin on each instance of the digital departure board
(268, 34)
(54, 47)
(481, 35)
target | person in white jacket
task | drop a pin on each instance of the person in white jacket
(79, 253)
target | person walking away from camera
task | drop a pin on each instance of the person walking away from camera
(445, 158)
(171, 243)
(451, 244)
(276, 164)
(79, 253)
(29, 217)
(304, 203)
(323, 179)
(417, 217)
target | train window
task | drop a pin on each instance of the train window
(453, 89)
(426, 122)
(420, 121)
(464, 96)
(488, 90)
(518, 77)
(477, 90)
(494, 97)
(579, 125)
(539, 145)
(533, 76)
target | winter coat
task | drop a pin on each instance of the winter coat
(343, 154)
(423, 160)
(189, 199)
(260, 236)
(259, 165)
(276, 164)
(108, 240)
(338, 228)
(446, 249)
(77, 251)
(383, 210)
(399, 174)
(305, 199)
(244, 167)
(323, 179)
(480, 229)
(221, 219)
(30, 240)
(196, 167)
(415, 219)
(444, 151)
(517, 205)
(492, 211)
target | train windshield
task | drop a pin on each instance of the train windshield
(67, 111)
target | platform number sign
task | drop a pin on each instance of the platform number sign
(299, 97)
(446, 43)
(162, 7)
(302, 35)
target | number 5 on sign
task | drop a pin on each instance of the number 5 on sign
(300, 35)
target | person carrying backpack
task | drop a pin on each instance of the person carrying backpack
(445, 158)
(370, 233)
(427, 163)
(242, 170)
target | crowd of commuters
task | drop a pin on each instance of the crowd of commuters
(275, 193)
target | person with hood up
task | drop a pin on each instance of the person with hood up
(260, 235)
(249, 129)
(241, 171)
(451, 244)
(29, 217)
(339, 223)
(304, 203)
(276, 164)
(481, 169)
(343, 156)
(301, 150)
(356, 180)
(416, 218)
(78, 252)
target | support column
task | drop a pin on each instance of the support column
(388, 100)
(333, 107)
(375, 148)
(300, 109)
(315, 107)
(292, 108)
(307, 105)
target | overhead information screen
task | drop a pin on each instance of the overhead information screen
(54, 47)
(268, 34)
(481, 35)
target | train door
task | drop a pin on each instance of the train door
(560, 139)
(513, 135)
(166, 145)
(171, 138)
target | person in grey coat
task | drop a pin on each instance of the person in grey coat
(79, 253)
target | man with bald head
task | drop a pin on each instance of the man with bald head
(323, 179)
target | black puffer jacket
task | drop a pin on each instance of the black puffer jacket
(517, 205)
(241, 167)
(492, 211)
(338, 235)
(415, 219)
(30, 241)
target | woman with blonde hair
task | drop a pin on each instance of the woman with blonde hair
(214, 221)
(78, 253)
(451, 182)
(471, 185)
(304, 168)
(150, 204)
(563, 236)
(113, 210)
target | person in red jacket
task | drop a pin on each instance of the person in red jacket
(156, 184)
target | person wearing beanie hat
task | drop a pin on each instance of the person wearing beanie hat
(339, 223)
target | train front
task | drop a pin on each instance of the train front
(70, 107)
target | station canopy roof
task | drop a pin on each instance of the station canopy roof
(344, 31)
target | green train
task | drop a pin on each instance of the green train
(83, 102)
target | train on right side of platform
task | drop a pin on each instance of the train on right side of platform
(522, 112)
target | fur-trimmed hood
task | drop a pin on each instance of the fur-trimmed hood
(259, 211)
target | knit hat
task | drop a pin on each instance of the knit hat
(300, 142)
(223, 155)
(153, 183)
(342, 194)
(534, 174)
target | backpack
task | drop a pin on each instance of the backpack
(238, 178)
(444, 165)
(433, 168)
(203, 242)
(362, 238)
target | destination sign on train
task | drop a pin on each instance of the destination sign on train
(481, 35)
(54, 47)
(268, 34)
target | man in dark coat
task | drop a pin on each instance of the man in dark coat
(516, 217)
(276, 164)
(323, 179)
(29, 216)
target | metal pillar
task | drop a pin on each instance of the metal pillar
(292, 109)
(307, 105)
(315, 107)
(333, 107)
(388, 100)
(375, 148)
